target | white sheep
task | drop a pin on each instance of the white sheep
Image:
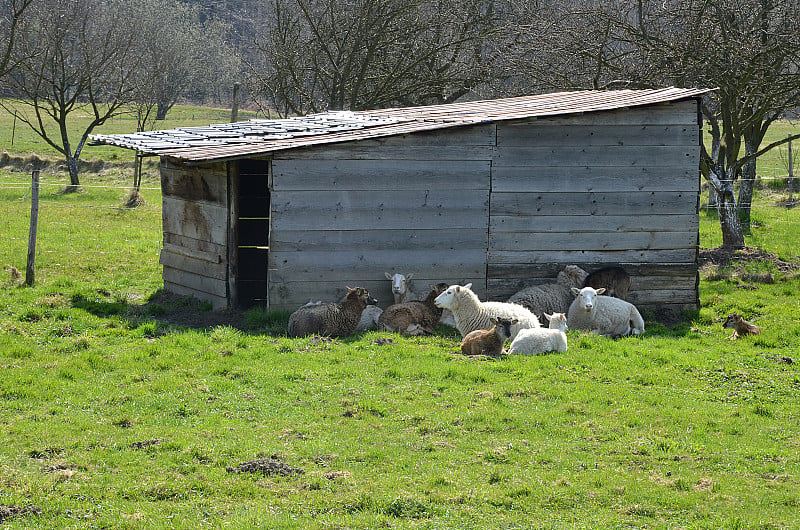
(369, 318)
(403, 292)
(604, 315)
(541, 340)
(551, 297)
(471, 314)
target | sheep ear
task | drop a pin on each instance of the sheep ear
(409, 276)
(575, 290)
(468, 286)
(548, 317)
(601, 290)
(388, 276)
(432, 286)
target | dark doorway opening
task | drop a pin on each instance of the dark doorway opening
(253, 232)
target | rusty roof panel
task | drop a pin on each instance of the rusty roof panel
(262, 136)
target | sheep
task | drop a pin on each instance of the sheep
(415, 317)
(604, 315)
(403, 292)
(369, 318)
(740, 326)
(329, 318)
(488, 341)
(551, 297)
(614, 279)
(541, 340)
(471, 314)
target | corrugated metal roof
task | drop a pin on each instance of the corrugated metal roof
(254, 137)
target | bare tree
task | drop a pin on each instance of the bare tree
(747, 50)
(333, 54)
(11, 19)
(82, 65)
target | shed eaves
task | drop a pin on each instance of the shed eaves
(254, 137)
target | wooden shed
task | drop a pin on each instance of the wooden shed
(500, 193)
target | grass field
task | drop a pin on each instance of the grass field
(122, 407)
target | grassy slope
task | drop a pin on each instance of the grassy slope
(112, 416)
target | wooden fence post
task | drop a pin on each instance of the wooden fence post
(235, 106)
(30, 271)
(791, 172)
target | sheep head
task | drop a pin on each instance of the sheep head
(587, 297)
(449, 298)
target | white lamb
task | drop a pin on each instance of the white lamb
(551, 297)
(604, 315)
(470, 313)
(542, 340)
(403, 292)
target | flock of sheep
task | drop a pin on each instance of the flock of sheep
(577, 300)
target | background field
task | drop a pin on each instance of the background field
(122, 407)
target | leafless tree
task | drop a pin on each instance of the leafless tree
(320, 55)
(11, 19)
(747, 50)
(83, 64)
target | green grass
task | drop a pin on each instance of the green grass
(115, 413)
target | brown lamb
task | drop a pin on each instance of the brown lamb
(416, 317)
(740, 326)
(488, 341)
(329, 318)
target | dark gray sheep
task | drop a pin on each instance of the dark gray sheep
(329, 318)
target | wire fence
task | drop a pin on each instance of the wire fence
(86, 234)
(91, 235)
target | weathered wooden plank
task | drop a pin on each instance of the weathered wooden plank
(207, 250)
(434, 240)
(196, 282)
(662, 296)
(588, 241)
(677, 113)
(599, 204)
(361, 151)
(596, 134)
(291, 295)
(217, 302)
(589, 223)
(321, 266)
(597, 156)
(379, 175)
(589, 178)
(352, 210)
(193, 265)
(196, 183)
(687, 255)
(535, 273)
(197, 220)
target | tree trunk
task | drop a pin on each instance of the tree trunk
(732, 233)
(74, 180)
(161, 110)
(747, 185)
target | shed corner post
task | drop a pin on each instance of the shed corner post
(233, 232)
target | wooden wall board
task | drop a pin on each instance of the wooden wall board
(588, 178)
(217, 302)
(599, 204)
(588, 241)
(198, 220)
(207, 183)
(567, 224)
(599, 135)
(365, 241)
(196, 282)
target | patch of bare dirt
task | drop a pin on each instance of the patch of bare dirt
(7, 512)
(266, 466)
(723, 257)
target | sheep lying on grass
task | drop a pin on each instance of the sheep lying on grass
(604, 315)
(403, 292)
(415, 317)
(471, 314)
(488, 341)
(369, 318)
(329, 318)
(614, 280)
(542, 340)
(551, 297)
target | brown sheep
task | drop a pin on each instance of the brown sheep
(614, 280)
(413, 318)
(329, 318)
(488, 341)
